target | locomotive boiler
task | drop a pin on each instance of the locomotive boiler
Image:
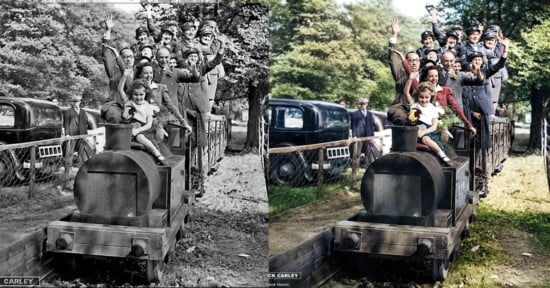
(128, 206)
(414, 206)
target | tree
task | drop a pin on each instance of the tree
(49, 50)
(333, 53)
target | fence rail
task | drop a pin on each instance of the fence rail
(47, 162)
(326, 164)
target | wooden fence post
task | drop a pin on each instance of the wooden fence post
(353, 166)
(320, 172)
(68, 161)
(32, 174)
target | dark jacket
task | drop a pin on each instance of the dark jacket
(362, 126)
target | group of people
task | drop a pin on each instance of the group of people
(165, 76)
(462, 74)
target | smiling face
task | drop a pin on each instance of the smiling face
(138, 95)
(127, 57)
(147, 52)
(163, 56)
(424, 97)
(428, 42)
(451, 42)
(448, 60)
(142, 37)
(172, 63)
(193, 58)
(474, 37)
(490, 43)
(190, 33)
(166, 38)
(414, 61)
(206, 39)
(432, 76)
(147, 74)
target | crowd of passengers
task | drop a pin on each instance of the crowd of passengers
(452, 69)
(169, 74)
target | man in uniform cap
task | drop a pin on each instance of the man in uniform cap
(75, 122)
(493, 49)
(362, 125)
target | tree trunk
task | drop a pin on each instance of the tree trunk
(257, 91)
(537, 116)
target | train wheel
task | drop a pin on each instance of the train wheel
(466, 232)
(440, 269)
(154, 270)
(455, 255)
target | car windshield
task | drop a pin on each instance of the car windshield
(335, 118)
(45, 116)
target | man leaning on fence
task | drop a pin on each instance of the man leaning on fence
(75, 122)
(363, 125)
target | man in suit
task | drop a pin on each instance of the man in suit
(456, 79)
(75, 122)
(363, 125)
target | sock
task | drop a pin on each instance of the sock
(441, 154)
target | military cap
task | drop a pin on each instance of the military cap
(452, 33)
(494, 28)
(489, 34)
(188, 25)
(456, 27)
(190, 51)
(363, 101)
(140, 30)
(474, 55)
(471, 30)
(166, 29)
(205, 30)
(426, 34)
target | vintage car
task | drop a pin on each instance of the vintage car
(302, 122)
(26, 120)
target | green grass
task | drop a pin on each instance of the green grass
(283, 198)
(474, 269)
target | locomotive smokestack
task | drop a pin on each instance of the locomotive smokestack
(118, 136)
(404, 138)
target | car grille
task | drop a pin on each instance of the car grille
(50, 151)
(337, 152)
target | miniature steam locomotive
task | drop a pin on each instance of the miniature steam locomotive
(128, 205)
(415, 207)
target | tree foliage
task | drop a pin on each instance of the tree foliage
(330, 53)
(50, 50)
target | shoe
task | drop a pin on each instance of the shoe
(447, 161)
(482, 194)
(162, 160)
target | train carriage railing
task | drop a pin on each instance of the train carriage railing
(489, 162)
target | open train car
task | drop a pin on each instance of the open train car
(131, 207)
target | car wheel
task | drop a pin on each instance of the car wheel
(286, 169)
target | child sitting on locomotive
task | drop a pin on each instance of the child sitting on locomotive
(139, 112)
(428, 114)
